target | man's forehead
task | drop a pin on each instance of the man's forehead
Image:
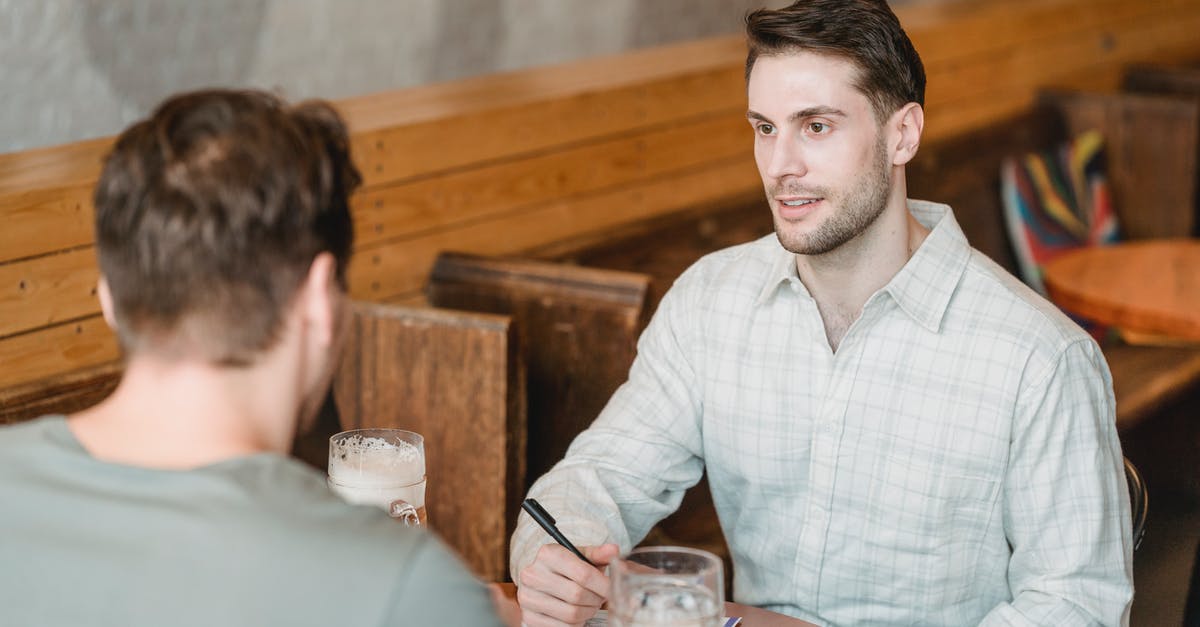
(801, 80)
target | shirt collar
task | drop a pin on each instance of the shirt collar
(924, 286)
(783, 270)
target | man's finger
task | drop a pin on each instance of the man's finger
(540, 608)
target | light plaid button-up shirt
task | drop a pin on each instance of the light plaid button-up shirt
(955, 462)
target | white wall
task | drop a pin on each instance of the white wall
(75, 69)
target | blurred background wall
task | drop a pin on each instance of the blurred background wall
(77, 69)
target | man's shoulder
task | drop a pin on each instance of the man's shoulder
(20, 442)
(993, 298)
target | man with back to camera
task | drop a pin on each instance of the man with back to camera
(895, 430)
(223, 233)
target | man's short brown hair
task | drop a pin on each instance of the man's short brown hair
(209, 214)
(865, 32)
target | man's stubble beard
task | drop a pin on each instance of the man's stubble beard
(856, 211)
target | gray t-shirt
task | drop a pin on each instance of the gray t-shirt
(252, 541)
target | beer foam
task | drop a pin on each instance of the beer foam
(373, 461)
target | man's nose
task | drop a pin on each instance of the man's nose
(786, 159)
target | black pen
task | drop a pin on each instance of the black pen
(543, 518)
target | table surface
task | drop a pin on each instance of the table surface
(1148, 287)
(751, 616)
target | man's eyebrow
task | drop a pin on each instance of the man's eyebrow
(799, 115)
(815, 111)
(754, 115)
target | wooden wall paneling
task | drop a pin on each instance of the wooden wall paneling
(973, 29)
(578, 329)
(465, 196)
(487, 134)
(1163, 79)
(61, 394)
(55, 350)
(69, 165)
(41, 220)
(456, 378)
(47, 290)
(1152, 156)
(972, 92)
(399, 268)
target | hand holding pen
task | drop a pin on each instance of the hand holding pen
(564, 584)
(546, 521)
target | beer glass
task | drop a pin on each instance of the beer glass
(661, 586)
(381, 467)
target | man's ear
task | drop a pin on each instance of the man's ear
(106, 304)
(319, 300)
(907, 123)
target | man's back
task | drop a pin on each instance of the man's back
(254, 540)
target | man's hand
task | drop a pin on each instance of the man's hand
(559, 589)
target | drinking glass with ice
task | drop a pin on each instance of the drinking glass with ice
(381, 467)
(666, 587)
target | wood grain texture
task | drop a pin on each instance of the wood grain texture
(455, 378)
(578, 330)
(1182, 80)
(1150, 287)
(48, 290)
(55, 350)
(62, 394)
(1152, 145)
(399, 268)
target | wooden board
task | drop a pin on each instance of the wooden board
(578, 330)
(455, 378)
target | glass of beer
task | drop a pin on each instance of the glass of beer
(381, 467)
(660, 586)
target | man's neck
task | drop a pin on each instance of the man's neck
(842, 280)
(184, 414)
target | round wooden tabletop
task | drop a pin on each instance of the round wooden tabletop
(1148, 287)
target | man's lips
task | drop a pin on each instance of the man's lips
(796, 207)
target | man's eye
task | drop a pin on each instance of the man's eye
(818, 127)
(766, 129)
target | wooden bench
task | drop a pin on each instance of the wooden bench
(456, 378)
(577, 330)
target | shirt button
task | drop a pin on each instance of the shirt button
(830, 426)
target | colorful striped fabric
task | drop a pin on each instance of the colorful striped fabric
(1057, 201)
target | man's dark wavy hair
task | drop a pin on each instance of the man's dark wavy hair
(864, 32)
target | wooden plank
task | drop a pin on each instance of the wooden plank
(57, 349)
(578, 328)
(399, 268)
(465, 197)
(61, 394)
(966, 30)
(1029, 64)
(47, 290)
(45, 220)
(1147, 379)
(455, 378)
(1162, 79)
(402, 152)
(1151, 147)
